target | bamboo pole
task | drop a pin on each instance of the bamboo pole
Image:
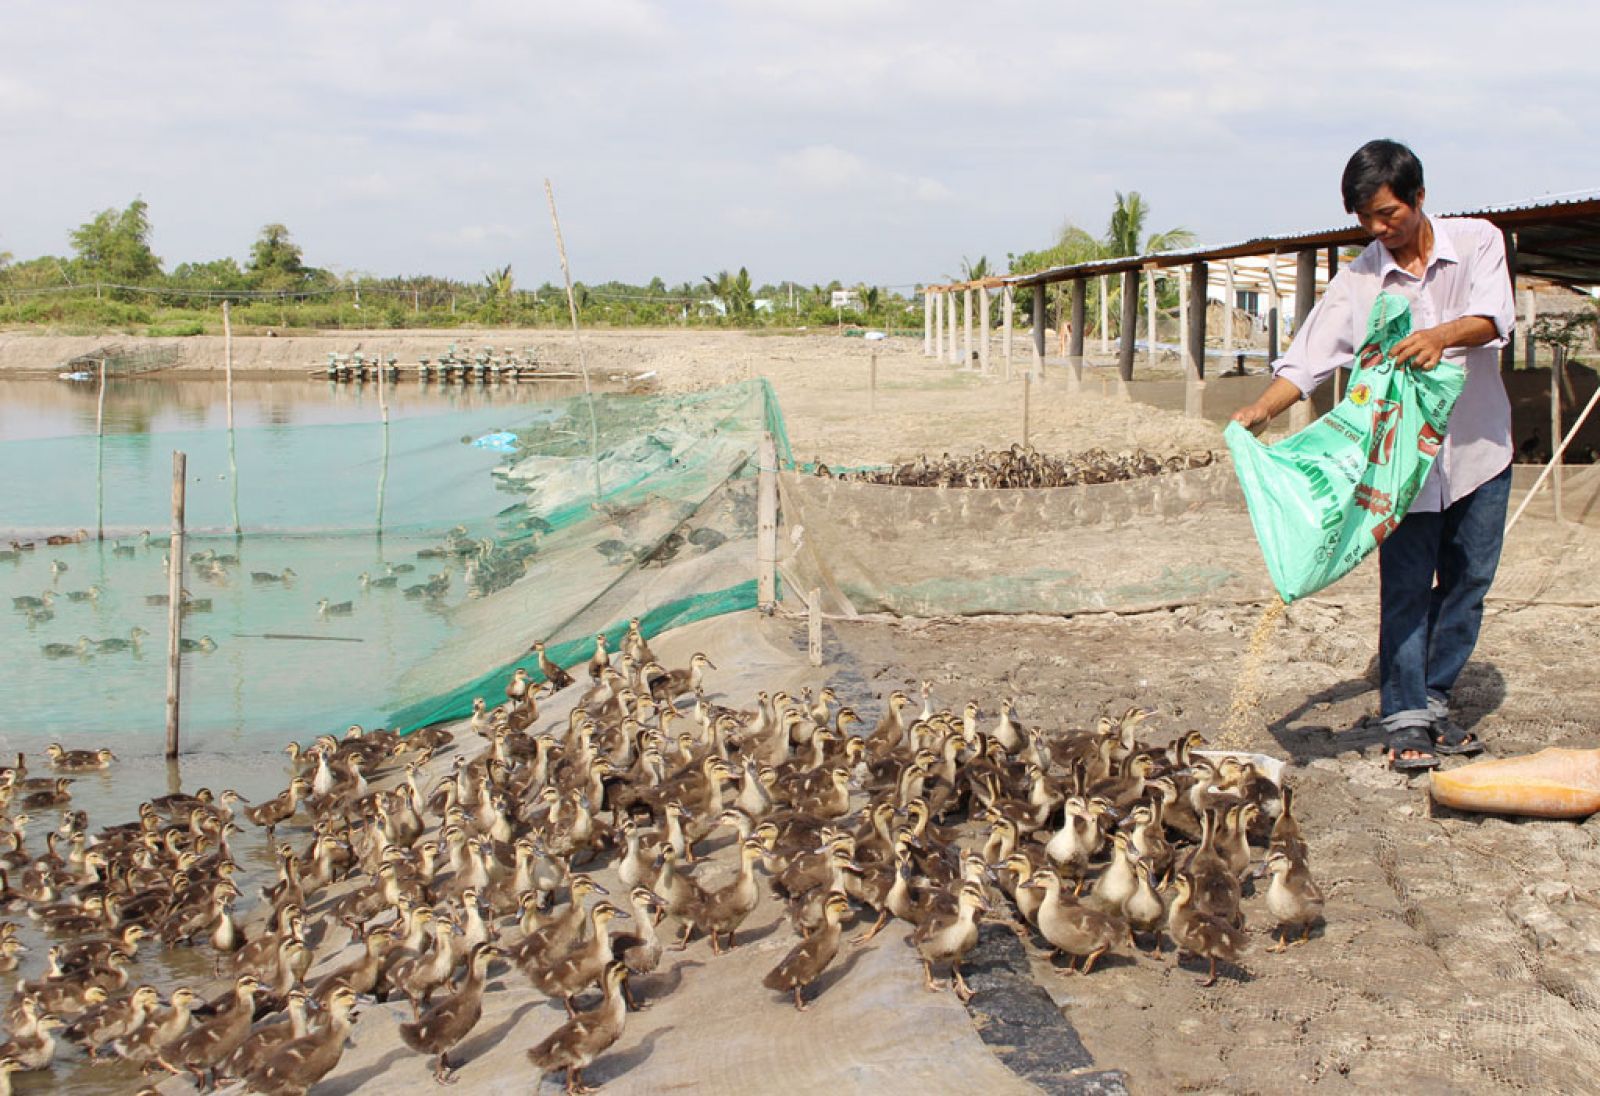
(1558, 360)
(99, 457)
(583, 365)
(233, 455)
(175, 601)
(814, 626)
(1554, 457)
(1027, 389)
(767, 523)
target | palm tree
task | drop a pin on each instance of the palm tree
(1122, 238)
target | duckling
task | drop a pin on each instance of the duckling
(69, 999)
(810, 957)
(1117, 881)
(342, 608)
(557, 677)
(1199, 933)
(78, 761)
(1293, 898)
(80, 596)
(79, 649)
(1071, 928)
(583, 1038)
(8, 1066)
(419, 976)
(278, 810)
(641, 951)
(207, 1046)
(947, 937)
(1286, 836)
(101, 1027)
(55, 796)
(1144, 909)
(34, 1051)
(203, 645)
(148, 1040)
(724, 910)
(303, 1061)
(448, 1022)
(270, 1037)
(600, 661)
(383, 582)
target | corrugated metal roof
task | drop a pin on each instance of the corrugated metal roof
(1576, 206)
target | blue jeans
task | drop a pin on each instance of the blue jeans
(1435, 570)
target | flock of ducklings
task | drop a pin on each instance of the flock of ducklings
(933, 818)
(1025, 466)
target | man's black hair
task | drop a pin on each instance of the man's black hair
(1377, 164)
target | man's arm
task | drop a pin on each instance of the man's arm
(1423, 349)
(1322, 344)
(1278, 398)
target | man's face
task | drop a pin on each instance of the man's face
(1390, 221)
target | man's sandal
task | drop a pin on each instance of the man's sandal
(1413, 740)
(1451, 740)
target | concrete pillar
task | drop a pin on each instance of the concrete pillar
(956, 319)
(938, 326)
(1229, 298)
(1272, 307)
(983, 328)
(1080, 292)
(1305, 299)
(1007, 308)
(1038, 331)
(1105, 315)
(1150, 312)
(966, 328)
(927, 323)
(1130, 324)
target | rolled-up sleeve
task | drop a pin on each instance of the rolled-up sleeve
(1323, 342)
(1489, 287)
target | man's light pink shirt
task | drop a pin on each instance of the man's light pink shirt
(1466, 276)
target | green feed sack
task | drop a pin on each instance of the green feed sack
(1324, 498)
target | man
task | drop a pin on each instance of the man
(1438, 564)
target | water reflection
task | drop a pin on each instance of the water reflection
(46, 407)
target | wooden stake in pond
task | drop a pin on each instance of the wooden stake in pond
(577, 339)
(175, 600)
(99, 457)
(872, 384)
(1027, 389)
(233, 457)
(814, 625)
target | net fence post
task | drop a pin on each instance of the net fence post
(175, 600)
(814, 625)
(767, 523)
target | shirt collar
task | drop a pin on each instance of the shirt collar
(1444, 251)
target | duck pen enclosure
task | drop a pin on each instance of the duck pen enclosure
(382, 571)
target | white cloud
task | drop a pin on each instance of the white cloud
(823, 166)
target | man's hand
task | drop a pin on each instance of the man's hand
(1252, 416)
(1418, 350)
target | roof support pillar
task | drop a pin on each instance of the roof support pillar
(1038, 330)
(1080, 293)
(1008, 309)
(955, 342)
(966, 328)
(1230, 300)
(1508, 352)
(983, 328)
(1150, 313)
(927, 322)
(1130, 324)
(1305, 298)
(1105, 315)
(938, 325)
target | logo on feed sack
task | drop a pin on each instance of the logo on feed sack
(1374, 501)
(1360, 394)
(1385, 417)
(1428, 441)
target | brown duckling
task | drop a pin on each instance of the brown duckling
(557, 677)
(204, 1048)
(278, 810)
(567, 975)
(114, 1020)
(158, 1031)
(36, 1049)
(810, 957)
(78, 761)
(303, 1061)
(56, 795)
(583, 1038)
(640, 951)
(1144, 909)
(1293, 897)
(722, 911)
(1200, 933)
(1286, 836)
(418, 976)
(8, 1066)
(947, 937)
(271, 1037)
(448, 1022)
(1071, 928)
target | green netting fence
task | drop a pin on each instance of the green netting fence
(381, 573)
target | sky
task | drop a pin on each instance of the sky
(867, 141)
